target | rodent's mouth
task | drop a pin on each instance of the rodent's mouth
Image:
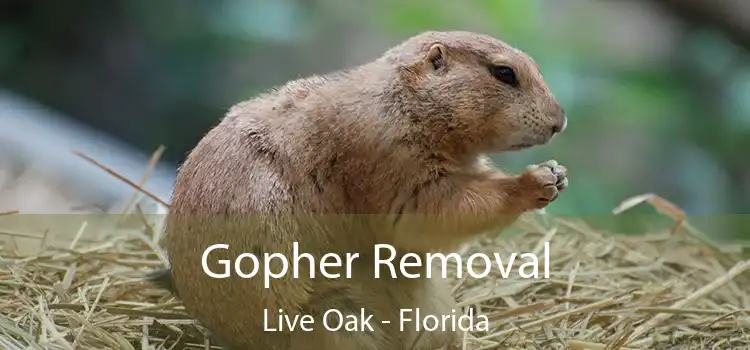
(520, 146)
(527, 141)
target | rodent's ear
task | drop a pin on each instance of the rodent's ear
(436, 56)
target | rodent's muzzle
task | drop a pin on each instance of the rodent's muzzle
(541, 136)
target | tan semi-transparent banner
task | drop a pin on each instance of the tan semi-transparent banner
(61, 270)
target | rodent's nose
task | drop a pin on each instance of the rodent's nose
(560, 127)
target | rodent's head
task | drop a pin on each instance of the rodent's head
(476, 91)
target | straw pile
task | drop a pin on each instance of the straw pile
(660, 291)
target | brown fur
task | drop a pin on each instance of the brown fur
(404, 135)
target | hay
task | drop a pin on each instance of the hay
(662, 290)
(659, 291)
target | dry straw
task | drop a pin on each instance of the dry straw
(662, 290)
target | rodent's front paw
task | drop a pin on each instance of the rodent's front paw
(542, 183)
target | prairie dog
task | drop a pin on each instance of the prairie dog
(392, 151)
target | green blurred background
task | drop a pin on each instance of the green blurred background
(657, 92)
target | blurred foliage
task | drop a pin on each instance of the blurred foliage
(155, 72)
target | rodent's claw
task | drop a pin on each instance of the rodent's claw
(544, 182)
(560, 172)
(550, 163)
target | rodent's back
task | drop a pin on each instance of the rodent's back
(296, 148)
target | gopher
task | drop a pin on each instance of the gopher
(393, 151)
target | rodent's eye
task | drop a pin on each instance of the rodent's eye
(504, 74)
